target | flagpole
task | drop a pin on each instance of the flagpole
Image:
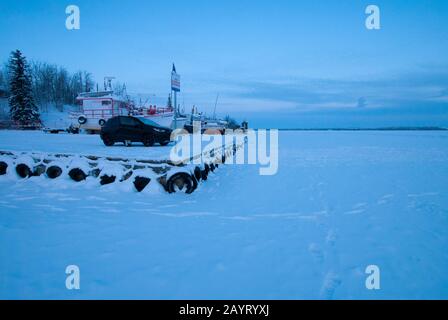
(175, 88)
(175, 109)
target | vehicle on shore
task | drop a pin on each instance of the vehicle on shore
(128, 129)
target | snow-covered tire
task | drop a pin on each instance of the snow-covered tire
(204, 175)
(53, 172)
(23, 170)
(77, 174)
(102, 122)
(39, 170)
(107, 179)
(181, 182)
(140, 183)
(197, 173)
(82, 120)
(195, 182)
(3, 167)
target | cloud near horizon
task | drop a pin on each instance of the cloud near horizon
(425, 85)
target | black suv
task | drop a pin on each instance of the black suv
(131, 129)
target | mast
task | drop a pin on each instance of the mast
(175, 109)
(214, 110)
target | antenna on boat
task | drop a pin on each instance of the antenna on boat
(214, 110)
(108, 83)
(183, 103)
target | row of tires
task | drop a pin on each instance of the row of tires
(183, 179)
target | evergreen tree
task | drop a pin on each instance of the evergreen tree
(23, 109)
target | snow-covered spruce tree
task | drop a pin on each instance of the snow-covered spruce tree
(23, 109)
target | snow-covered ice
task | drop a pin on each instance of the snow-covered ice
(84, 144)
(340, 201)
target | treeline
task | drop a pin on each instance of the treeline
(51, 84)
(3, 83)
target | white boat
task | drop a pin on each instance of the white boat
(95, 108)
(166, 117)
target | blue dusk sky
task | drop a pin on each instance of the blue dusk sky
(276, 63)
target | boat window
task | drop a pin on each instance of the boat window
(106, 102)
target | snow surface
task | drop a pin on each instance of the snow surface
(84, 144)
(53, 118)
(341, 201)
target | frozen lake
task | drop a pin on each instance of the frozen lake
(340, 201)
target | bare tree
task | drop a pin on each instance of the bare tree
(55, 85)
(88, 81)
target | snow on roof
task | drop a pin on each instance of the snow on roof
(95, 94)
(99, 94)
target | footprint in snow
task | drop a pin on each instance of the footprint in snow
(316, 251)
(360, 205)
(385, 199)
(330, 284)
(169, 206)
(357, 208)
(355, 211)
(331, 237)
(423, 194)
